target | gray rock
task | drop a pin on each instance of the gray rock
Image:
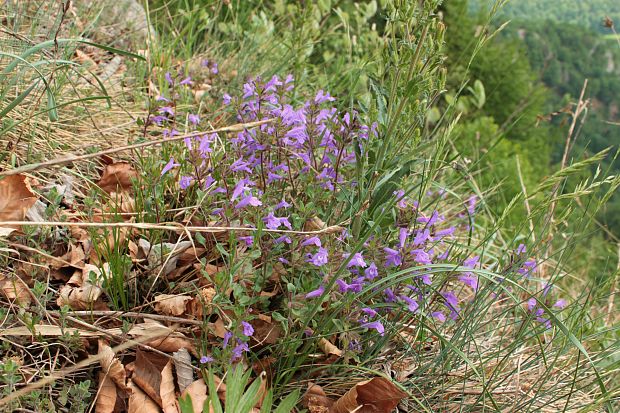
(118, 23)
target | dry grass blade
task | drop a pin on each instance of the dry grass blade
(75, 158)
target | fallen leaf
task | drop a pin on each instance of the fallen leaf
(5, 232)
(314, 224)
(167, 390)
(16, 198)
(329, 349)
(183, 367)
(148, 373)
(197, 391)
(163, 257)
(262, 390)
(140, 402)
(164, 338)
(106, 396)
(316, 400)
(378, 395)
(73, 258)
(111, 365)
(15, 290)
(266, 331)
(120, 203)
(201, 304)
(117, 177)
(169, 304)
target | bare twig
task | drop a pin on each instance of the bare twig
(74, 158)
(167, 227)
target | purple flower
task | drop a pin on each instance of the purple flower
(421, 237)
(206, 359)
(239, 349)
(320, 258)
(311, 241)
(316, 293)
(284, 260)
(168, 77)
(369, 312)
(401, 201)
(282, 239)
(439, 316)
(166, 110)
(248, 200)
(471, 204)
(282, 204)
(194, 119)
(444, 233)
(323, 97)
(376, 325)
(561, 303)
(355, 287)
(392, 257)
(185, 182)
(426, 279)
(227, 336)
(531, 304)
(169, 166)
(249, 240)
(226, 98)
(273, 222)
(471, 262)
(402, 237)
(469, 279)
(521, 249)
(248, 330)
(371, 272)
(452, 302)
(389, 295)
(412, 304)
(187, 81)
(429, 221)
(356, 261)
(421, 256)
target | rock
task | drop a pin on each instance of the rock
(120, 23)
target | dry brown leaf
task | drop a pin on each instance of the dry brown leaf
(167, 390)
(73, 258)
(148, 373)
(266, 331)
(16, 198)
(163, 257)
(262, 390)
(106, 397)
(80, 293)
(378, 395)
(15, 290)
(81, 298)
(121, 203)
(165, 339)
(111, 365)
(197, 391)
(316, 400)
(314, 224)
(140, 402)
(117, 177)
(201, 304)
(329, 349)
(5, 232)
(169, 304)
(183, 367)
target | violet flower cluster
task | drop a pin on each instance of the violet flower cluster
(305, 153)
